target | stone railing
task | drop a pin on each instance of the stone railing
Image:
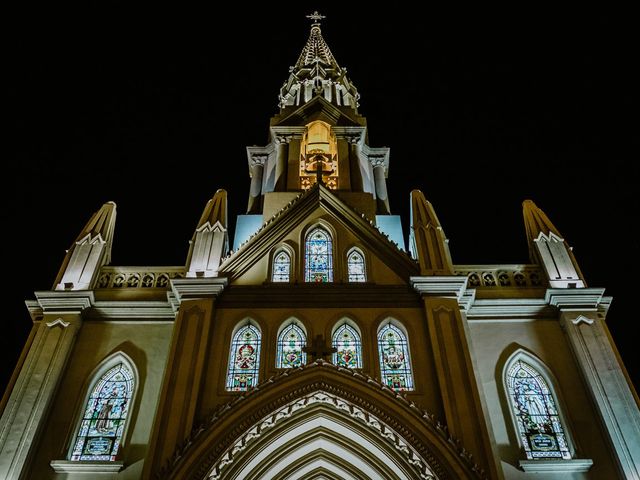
(138, 277)
(502, 276)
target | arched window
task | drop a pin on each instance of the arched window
(355, 266)
(318, 256)
(281, 267)
(104, 416)
(244, 359)
(291, 341)
(536, 412)
(395, 364)
(347, 342)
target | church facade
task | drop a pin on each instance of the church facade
(319, 342)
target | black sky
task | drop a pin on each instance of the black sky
(480, 110)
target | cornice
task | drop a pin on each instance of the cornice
(326, 295)
(575, 298)
(281, 130)
(448, 286)
(510, 310)
(60, 301)
(132, 310)
(34, 308)
(192, 288)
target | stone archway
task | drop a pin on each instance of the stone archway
(321, 422)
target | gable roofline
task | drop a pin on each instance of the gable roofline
(295, 213)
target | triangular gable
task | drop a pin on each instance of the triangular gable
(296, 213)
(318, 109)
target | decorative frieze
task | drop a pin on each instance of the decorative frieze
(138, 277)
(502, 276)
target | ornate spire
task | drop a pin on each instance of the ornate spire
(316, 50)
(90, 251)
(210, 241)
(548, 248)
(428, 243)
(317, 73)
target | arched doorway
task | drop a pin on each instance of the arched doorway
(321, 422)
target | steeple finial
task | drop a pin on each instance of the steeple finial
(317, 73)
(316, 17)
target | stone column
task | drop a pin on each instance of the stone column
(184, 374)
(355, 172)
(461, 391)
(282, 158)
(26, 411)
(588, 335)
(382, 198)
(255, 191)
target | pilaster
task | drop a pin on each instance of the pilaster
(282, 158)
(380, 181)
(257, 161)
(26, 411)
(462, 395)
(582, 320)
(184, 374)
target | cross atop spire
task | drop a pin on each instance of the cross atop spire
(316, 17)
(317, 73)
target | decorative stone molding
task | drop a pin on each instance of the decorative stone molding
(190, 288)
(240, 428)
(353, 135)
(585, 299)
(377, 161)
(67, 466)
(140, 310)
(364, 417)
(510, 310)
(258, 159)
(353, 139)
(258, 155)
(556, 466)
(138, 277)
(65, 301)
(503, 276)
(582, 319)
(445, 286)
(282, 139)
(58, 321)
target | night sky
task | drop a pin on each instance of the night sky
(480, 112)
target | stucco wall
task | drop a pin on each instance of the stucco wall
(493, 342)
(147, 344)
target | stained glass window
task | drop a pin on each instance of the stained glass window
(104, 417)
(355, 267)
(281, 267)
(290, 343)
(349, 347)
(318, 257)
(395, 365)
(539, 424)
(244, 359)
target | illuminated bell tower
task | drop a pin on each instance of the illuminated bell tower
(318, 136)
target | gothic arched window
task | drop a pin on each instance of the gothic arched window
(395, 364)
(347, 342)
(291, 341)
(536, 413)
(244, 359)
(281, 267)
(318, 266)
(104, 416)
(355, 266)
